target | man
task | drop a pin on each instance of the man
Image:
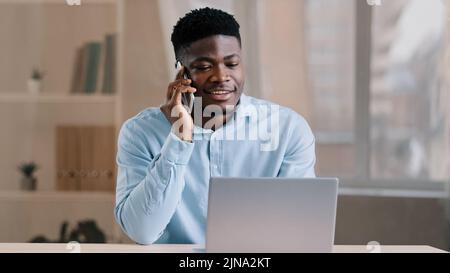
(166, 156)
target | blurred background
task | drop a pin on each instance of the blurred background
(371, 78)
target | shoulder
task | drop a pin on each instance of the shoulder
(149, 121)
(147, 116)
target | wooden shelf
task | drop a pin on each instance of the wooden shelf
(56, 2)
(49, 98)
(56, 196)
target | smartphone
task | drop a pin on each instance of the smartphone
(186, 98)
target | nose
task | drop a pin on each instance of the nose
(220, 74)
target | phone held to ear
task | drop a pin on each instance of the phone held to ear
(186, 98)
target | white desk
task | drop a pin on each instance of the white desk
(122, 248)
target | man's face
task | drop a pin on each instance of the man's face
(215, 67)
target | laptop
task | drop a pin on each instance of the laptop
(271, 215)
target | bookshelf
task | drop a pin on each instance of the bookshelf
(48, 33)
(28, 214)
(62, 2)
(55, 196)
(13, 97)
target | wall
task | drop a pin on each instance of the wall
(391, 221)
(282, 55)
(142, 59)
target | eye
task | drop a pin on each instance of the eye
(202, 67)
(232, 65)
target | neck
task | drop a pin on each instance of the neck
(213, 123)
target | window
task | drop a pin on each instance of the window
(330, 61)
(377, 75)
(406, 110)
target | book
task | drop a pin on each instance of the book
(101, 69)
(93, 50)
(104, 158)
(109, 74)
(97, 158)
(78, 71)
(94, 68)
(85, 158)
(67, 158)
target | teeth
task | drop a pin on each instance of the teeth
(219, 92)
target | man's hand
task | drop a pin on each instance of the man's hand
(173, 109)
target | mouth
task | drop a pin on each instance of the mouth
(220, 94)
(219, 91)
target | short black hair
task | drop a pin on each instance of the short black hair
(202, 23)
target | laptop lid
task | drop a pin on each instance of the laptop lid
(271, 214)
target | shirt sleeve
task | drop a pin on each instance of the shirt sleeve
(149, 187)
(300, 157)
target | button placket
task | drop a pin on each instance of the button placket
(214, 159)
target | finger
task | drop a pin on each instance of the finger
(177, 96)
(180, 82)
(175, 85)
(180, 74)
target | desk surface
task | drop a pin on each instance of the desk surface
(116, 248)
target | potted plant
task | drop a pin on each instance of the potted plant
(35, 81)
(28, 181)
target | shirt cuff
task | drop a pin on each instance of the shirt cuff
(176, 150)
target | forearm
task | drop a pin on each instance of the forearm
(300, 157)
(146, 209)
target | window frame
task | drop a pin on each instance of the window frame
(363, 183)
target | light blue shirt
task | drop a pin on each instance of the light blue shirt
(162, 182)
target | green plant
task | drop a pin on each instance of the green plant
(27, 169)
(36, 74)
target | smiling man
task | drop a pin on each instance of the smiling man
(166, 156)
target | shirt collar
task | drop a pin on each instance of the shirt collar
(245, 108)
